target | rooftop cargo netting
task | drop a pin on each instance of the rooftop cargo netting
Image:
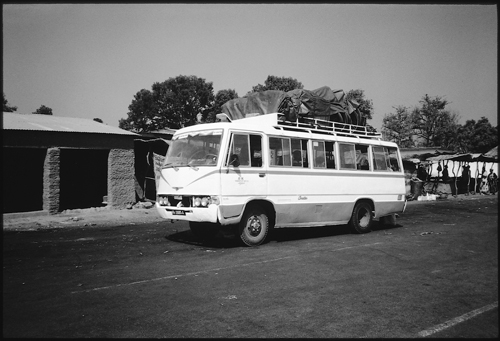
(322, 103)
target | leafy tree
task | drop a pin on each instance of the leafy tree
(365, 105)
(6, 106)
(431, 122)
(221, 97)
(174, 103)
(277, 83)
(98, 120)
(475, 137)
(397, 127)
(43, 110)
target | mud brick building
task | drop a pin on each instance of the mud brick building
(53, 163)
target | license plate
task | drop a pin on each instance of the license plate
(178, 212)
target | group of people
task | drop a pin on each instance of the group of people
(488, 183)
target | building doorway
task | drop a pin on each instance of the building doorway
(83, 178)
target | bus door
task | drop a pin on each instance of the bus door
(243, 174)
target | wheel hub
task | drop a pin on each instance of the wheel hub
(254, 226)
(364, 218)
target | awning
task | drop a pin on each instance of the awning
(468, 157)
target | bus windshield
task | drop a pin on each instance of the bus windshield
(194, 149)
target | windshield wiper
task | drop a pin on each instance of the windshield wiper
(168, 165)
(193, 167)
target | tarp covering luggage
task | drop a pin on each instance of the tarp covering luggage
(322, 103)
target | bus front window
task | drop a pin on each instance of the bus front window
(194, 149)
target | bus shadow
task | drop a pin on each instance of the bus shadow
(225, 240)
(289, 234)
(220, 241)
(299, 233)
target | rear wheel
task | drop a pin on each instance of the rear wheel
(254, 226)
(205, 231)
(361, 218)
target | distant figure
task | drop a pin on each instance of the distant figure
(466, 179)
(485, 188)
(422, 173)
(446, 176)
(492, 182)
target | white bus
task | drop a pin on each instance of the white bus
(262, 172)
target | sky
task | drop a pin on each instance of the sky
(89, 60)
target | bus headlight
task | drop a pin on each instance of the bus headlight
(162, 200)
(204, 201)
(196, 201)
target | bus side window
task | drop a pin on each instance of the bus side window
(240, 147)
(362, 157)
(305, 155)
(347, 156)
(393, 159)
(296, 153)
(279, 152)
(330, 154)
(318, 154)
(256, 150)
(379, 158)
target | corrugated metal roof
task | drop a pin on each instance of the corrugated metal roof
(38, 122)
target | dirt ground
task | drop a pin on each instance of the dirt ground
(98, 216)
(128, 273)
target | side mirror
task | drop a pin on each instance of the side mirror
(234, 160)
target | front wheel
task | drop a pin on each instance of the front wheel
(361, 218)
(254, 226)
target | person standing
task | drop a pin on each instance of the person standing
(421, 173)
(485, 188)
(446, 176)
(492, 182)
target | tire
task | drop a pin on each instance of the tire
(254, 226)
(361, 218)
(204, 231)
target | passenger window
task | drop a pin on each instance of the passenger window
(386, 158)
(380, 158)
(256, 150)
(393, 159)
(319, 154)
(279, 151)
(362, 157)
(240, 147)
(330, 154)
(347, 156)
(305, 155)
(299, 153)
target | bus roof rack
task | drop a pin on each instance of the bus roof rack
(319, 126)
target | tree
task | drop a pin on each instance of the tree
(475, 137)
(43, 110)
(174, 103)
(6, 106)
(365, 105)
(221, 97)
(98, 120)
(431, 122)
(397, 127)
(277, 83)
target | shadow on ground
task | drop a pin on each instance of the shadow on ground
(229, 240)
